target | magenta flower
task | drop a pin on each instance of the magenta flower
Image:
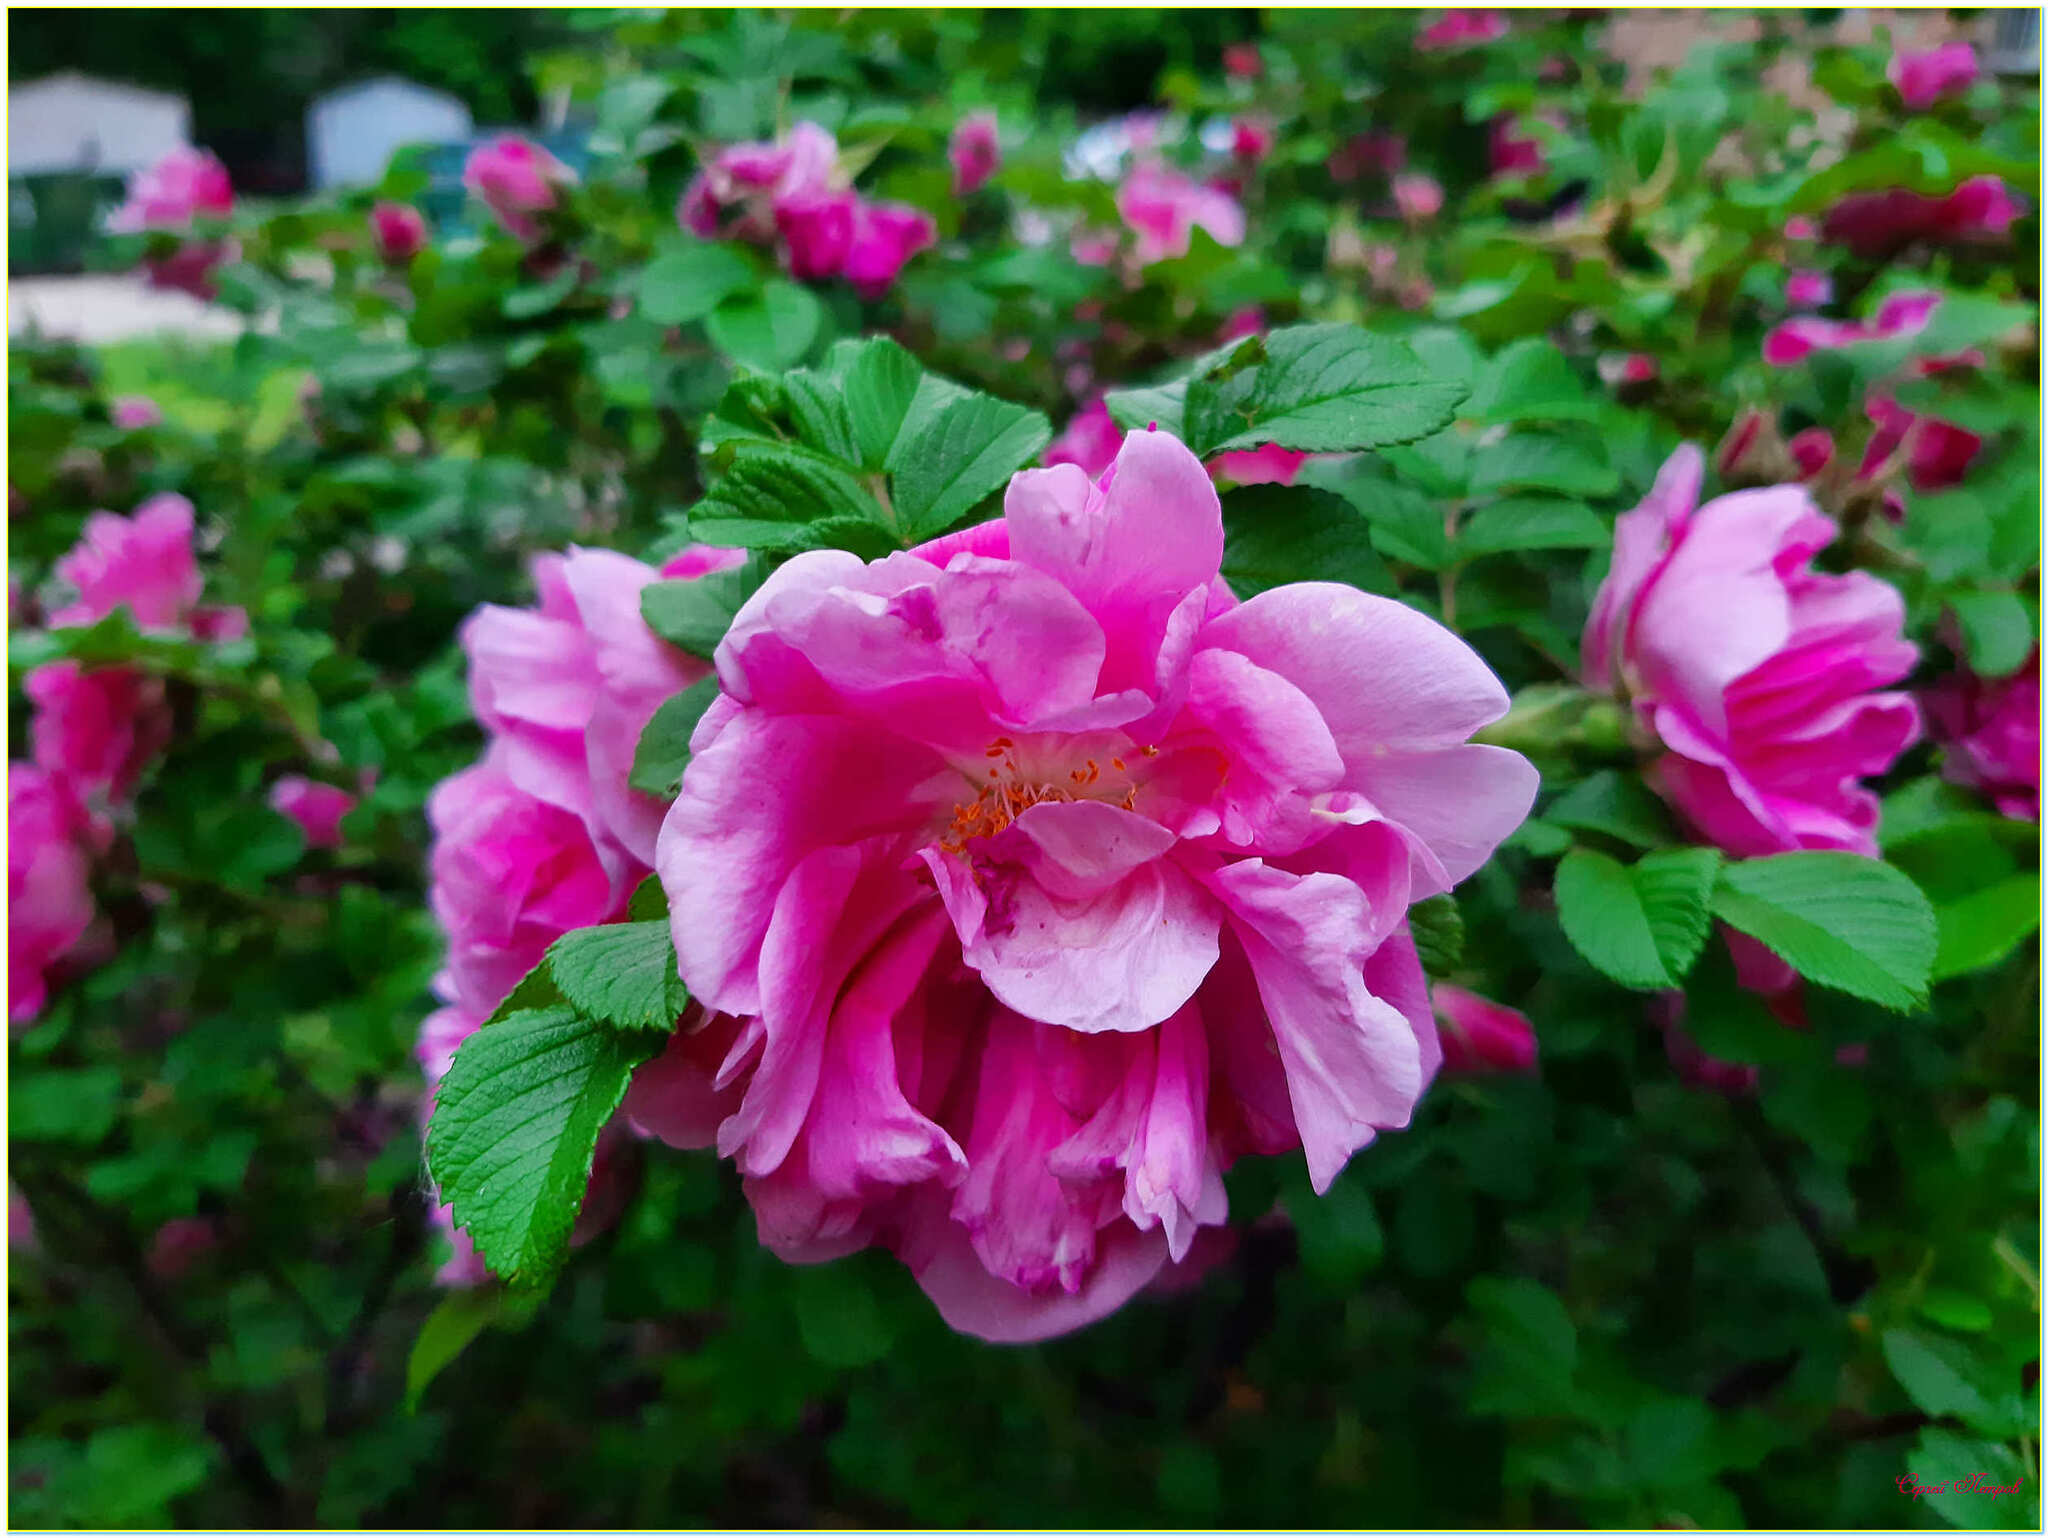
(1757, 673)
(1509, 152)
(49, 898)
(885, 237)
(1805, 290)
(1045, 879)
(1242, 61)
(1900, 315)
(567, 688)
(1923, 78)
(1811, 449)
(1990, 732)
(316, 808)
(976, 151)
(1938, 454)
(1164, 208)
(21, 1222)
(1875, 225)
(817, 231)
(399, 231)
(1094, 248)
(96, 731)
(1799, 227)
(143, 563)
(1091, 440)
(1267, 465)
(186, 185)
(743, 187)
(181, 1244)
(132, 413)
(1251, 138)
(516, 180)
(1462, 29)
(1419, 198)
(1480, 1036)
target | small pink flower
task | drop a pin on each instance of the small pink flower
(751, 183)
(143, 563)
(516, 179)
(181, 1244)
(817, 232)
(1419, 198)
(1091, 440)
(698, 210)
(1623, 370)
(1940, 452)
(316, 808)
(1811, 449)
(1480, 1036)
(49, 898)
(1267, 465)
(1164, 208)
(1758, 674)
(1462, 29)
(132, 413)
(1510, 153)
(1242, 61)
(1806, 290)
(885, 237)
(976, 151)
(1044, 880)
(399, 231)
(21, 1223)
(186, 185)
(1368, 154)
(1248, 321)
(1902, 314)
(1990, 732)
(1923, 78)
(1799, 227)
(1251, 138)
(1877, 224)
(1094, 248)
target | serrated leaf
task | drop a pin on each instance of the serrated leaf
(1317, 388)
(880, 381)
(695, 613)
(1644, 925)
(1616, 804)
(968, 449)
(623, 975)
(1274, 535)
(1843, 921)
(780, 483)
(1406, 525)
(663, 751)
(770, 330)
(689, 281)
(515, 1127)
(1981, 929)
(1531, 523)
(1676, 886)
(1530, 381)
(1543, 462)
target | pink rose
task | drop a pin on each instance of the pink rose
(1267, 465)
(1164, 208)
(1094, 248)
(1990, 732)
(21, 1223)
(1875, 225)
(698, 210)
(751, 183)
(515, 179)
(1900, 315)
(96, 731)
(1923, 78)
(1510, 153)
(399, 231)
(1045, 879)
(1808, 290)
(1799, 227)
(885, 237)
(817, 232)
(143, 563)
(1757, 673)
(1480, 1036)
(1462, 29)
(1939, 453)
(132, 413)
(1251, 138)
(1248, 321)
(1419, 198)
(186, 185)
(1242, 61)
(975, 151)
(568, 687)
(316, 808)
(49, 898)
(1091, 440)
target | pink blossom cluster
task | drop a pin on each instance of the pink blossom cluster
(795, 194)
(94, 731)
(1033, 879)
(1163, 208)
(544, 834)
(186, 186)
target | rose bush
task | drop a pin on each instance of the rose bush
(1340, 723)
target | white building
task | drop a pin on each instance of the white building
(352, 132)
(70, 122)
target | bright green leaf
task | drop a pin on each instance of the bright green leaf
(1841, 920)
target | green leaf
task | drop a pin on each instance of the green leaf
(689, 281)
(515, 1126)
(1998, 632)
(63, 1105)
(649, 901)
(1981, 929)
(1619, 805)
(1543, 462)
(458, 1319)
(1950, 1377)
(1438, 928)
(1644, 925)
(1969, 1471)
(1845, 922)
(780, 483)
(1531, 381)
(770, 330)
(968, 449)
(880, 381)
(1406, 525)
(838, 1318)
(695, 613)
(1531, 523)
(1316, 388)
(539, 298)
(1342, 1242)
(1274, 535)
(1530, 1347)
(663, 752)
(623, 975)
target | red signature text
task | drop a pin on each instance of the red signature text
(1962, 1484)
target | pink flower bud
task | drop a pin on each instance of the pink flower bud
(1922, 79)
(400, 232)
(1480, 1036)
(316, 808)
(976, 152)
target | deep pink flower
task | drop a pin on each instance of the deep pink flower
(1990, 732)
(567, 687)
(1900, 315)
(180, 1244)
(1248, 321)
(49, 900)
(131, 413)
(515, 179)
(1799, 227)
(1620, 370)
(1877, 224)
(1267, 465)
(1923, 78)
(1368, 154)
(1734, 1080)
(316, 808)
(143, 563)
(1480, 1036)
(976, 151)
(1251, 138)
(96, 731)
(1940, 452)
(1045, 880)
(190, 268)
(1164, 208)
(1091, 440)
(186, 185)
(885, 236)
(1462, 29)
(817, 232)
(1510, 153)
(1806, 290)
(400, 232)
(1757, 673)
(752, 182)
(698, 210)
(1811, 449)
(1419, 198)
(1243, 61)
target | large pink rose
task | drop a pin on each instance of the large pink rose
(49, 903)
(516, 180)
(1990, 731)
(185, 185)
(1923, 78)
(1043, 879)
(567, 688)
(1758, 674)
(1165, 208)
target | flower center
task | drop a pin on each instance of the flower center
(1010, 789)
